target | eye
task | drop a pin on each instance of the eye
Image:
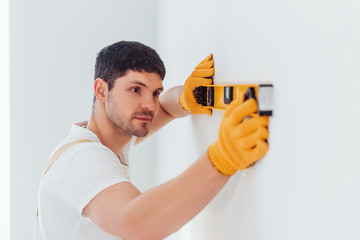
(156, 94)
(135, 89)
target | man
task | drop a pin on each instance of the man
(87, 194)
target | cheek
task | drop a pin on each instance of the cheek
(157, 107)
(116, 106)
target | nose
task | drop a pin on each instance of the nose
(150, 103)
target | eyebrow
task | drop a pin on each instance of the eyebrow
(144, 85)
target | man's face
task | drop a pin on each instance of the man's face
(133, 102)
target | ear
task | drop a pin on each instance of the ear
(100, 90)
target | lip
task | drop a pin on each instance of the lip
(143, 118)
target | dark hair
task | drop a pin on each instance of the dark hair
(115, 60)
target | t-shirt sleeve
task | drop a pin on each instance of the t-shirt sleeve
(92, 169)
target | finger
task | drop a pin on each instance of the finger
(205, 111)
(205, 65)
(198, 109)
(196, 81)
(234, 104)
(251, 140)
(208, 72)
(243, 110)
(251, 125)
(208, 58)
(257, 152)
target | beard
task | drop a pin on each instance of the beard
(129, 125)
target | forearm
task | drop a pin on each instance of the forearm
(169, 101)
(164, 209)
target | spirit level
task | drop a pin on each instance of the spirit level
(220, 96)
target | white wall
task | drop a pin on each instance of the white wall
(53, 50)
(307, 186)
(4, 121)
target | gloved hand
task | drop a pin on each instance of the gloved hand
(240, 143)
(200, 76)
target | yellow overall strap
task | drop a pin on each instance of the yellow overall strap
(60, 151)
(57, 155)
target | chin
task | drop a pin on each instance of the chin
(138, 130)
(141, 133)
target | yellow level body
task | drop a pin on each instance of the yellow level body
(238, 90)
(220, 96)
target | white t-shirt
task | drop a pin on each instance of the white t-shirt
(80, 173)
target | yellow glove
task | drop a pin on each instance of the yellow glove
(200, 76)
(240, 143)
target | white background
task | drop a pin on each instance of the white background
(4, 122)
(307, 185)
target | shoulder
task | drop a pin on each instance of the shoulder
(92, 151)
(87, 156)
(94, 161)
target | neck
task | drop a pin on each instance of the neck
(109, 135)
